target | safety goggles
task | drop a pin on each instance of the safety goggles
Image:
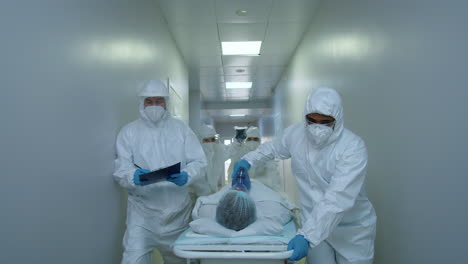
(155, 100)
(253, 139)
(328, 122)
(209, 140)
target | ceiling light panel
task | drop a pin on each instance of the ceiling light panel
(240, 94)
(242, 12)
(238, 78)
(238, 85)
(241, 31)
(249, 48)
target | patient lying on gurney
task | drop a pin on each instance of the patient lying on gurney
(233, 212)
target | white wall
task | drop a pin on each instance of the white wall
(69, 72)
(401, 67)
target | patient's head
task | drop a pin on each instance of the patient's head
(236, 210)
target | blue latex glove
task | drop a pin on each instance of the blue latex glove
(241, 164)
(178, 179)
(136, 176)
(300, 246)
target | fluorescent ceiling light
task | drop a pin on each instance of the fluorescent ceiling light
(237, 115)
(242, 12)
(238, 85)
(241, 48)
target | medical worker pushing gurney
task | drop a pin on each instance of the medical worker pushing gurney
(329, 163)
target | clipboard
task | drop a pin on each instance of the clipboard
(159, 175)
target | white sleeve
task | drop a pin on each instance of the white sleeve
(194, 156)
(226, 151)
(277, 148)
(123, 165)
(340, 195)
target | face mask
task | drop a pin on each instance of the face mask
(319, 133)
(252, 145)
(208, 147)
(154, 113)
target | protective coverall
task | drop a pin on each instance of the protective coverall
(157, 213)
(265, 172)
(338, 220)
(216, 155)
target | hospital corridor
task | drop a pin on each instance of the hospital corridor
(234, 131)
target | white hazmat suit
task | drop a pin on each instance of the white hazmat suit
(338, 220)
(239, 149)
(159, 212)
(265, 172)
(216, 155)
(235, 151)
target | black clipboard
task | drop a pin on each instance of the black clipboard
(159, 175)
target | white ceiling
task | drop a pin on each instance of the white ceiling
(199, 26)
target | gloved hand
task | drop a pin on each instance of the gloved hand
(136, 176)
(241, 164)
(300, 246)
(178, 179)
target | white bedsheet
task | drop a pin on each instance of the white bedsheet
(191, 238)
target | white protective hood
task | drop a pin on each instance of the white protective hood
(206, 131)
(151, 89)
(326, 101)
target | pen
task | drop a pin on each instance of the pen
(136, 166)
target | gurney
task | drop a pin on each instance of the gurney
(228, 250)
